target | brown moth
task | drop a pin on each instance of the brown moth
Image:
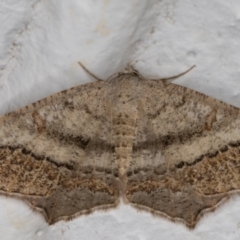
(160, 147)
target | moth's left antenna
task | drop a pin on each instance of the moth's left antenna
(85, 69)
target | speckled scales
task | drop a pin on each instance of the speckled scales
(161, 147)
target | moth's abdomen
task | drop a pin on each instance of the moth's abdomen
(123, 137)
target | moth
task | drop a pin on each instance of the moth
(160, 147)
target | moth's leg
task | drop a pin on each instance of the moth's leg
(176, 76)
(130, 68)
(91, 74)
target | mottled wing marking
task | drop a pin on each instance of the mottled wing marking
(159, 146)
(188, 158)
(51, 157)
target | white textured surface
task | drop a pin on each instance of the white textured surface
(41, 43)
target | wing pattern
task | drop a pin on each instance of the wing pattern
(161, 147)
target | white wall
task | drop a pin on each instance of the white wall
(40, 45)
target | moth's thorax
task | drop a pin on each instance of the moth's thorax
(127, 91)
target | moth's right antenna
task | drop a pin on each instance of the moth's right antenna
(179, 75)
(91, 74)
